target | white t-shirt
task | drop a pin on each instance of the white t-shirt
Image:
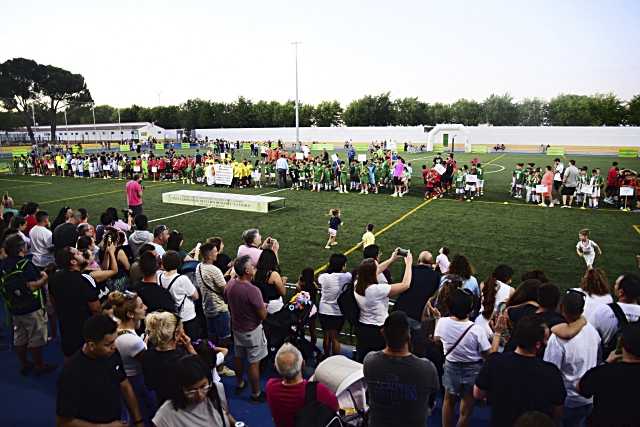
(605, 322)
(591, 303)
(41, 246)
(159, 249)
(382, 278)
(574, 358)
(474, 343)
(129, 345)
(181, 290)
(502, 294)
(331, 285)
(442, 261)
(202, 414)
(587, 247)
(374, 305)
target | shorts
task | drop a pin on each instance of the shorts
(459, 190)
(568, 191)
(251, 345)
(480, 183)
(595, 193)
(557, 185)
(459, 377)
(332, 232)
(331, 322)
(219, 326)
(470, 187)
(30, 329)
(397, 180)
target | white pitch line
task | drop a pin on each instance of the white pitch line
(496, 171)
(209, 207)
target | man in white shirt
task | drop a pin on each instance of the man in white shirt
(557, 178)
(282, 166)
(627, 290)
(41, 241)
(574, 358)
(160, 238)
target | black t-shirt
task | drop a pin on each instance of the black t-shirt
(64, 235)
(551, 318)
(614, 390)
(517, 384)
(71, 294)
(520, 311)
(424, 283)
(399, 389)
(222, 262)
(89, 389)
(158, 368)
(155, 297)
(29, 274)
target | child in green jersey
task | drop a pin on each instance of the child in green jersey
(344, 178)
(459, 181)
(363, 173)
(596, 182)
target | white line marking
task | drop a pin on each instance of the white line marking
(209, 207)
(496, 171)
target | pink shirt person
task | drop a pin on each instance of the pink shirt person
(134, 193)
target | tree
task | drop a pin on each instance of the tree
(607, 110)
(369, 111)
(409, 112)
(469, 113)
(327, 113)
(19, 88)
(500, 110)
(440, 113)
(531, 112)
(570, 110)
(62, 88)
(633, 111)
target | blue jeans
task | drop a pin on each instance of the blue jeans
(576, 417)
(219, 326)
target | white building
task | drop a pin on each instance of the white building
(101, 132)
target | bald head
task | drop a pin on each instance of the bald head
(425, 257)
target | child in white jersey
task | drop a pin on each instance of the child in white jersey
(587, 248)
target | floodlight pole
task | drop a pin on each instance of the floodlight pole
(297, 104)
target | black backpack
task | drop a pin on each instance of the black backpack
(348, 304)
(315, 413)
(14, 290)
(612, 345)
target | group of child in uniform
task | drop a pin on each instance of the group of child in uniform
(533, 185)
(445, 175)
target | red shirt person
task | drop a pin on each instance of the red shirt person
(286, 395)
(134, 194)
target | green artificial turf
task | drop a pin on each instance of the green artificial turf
(487, 231)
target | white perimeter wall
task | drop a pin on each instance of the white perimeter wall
(482, 135)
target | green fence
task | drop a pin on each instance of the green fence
(318, 147)
(361, 146)
(628, 152)
(159, 146)
(479, 149)
(124, 148)
(438, 148)
(185, 145)
(18, 153)
(246, 146)
(555, 151)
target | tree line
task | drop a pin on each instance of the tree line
(29, 90)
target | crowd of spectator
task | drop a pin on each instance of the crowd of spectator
(147, 330)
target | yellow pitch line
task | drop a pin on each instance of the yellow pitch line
(637, 228)
(379, 232)
(99, 194)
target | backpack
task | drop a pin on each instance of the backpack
(168, 288)
(14, 290)
(348, 304)
(315, 413)
(612, 345)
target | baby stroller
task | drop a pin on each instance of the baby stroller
(288, 325)
(345, 378)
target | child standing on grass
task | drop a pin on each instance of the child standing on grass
(596, 182)
(587, 248)
(334, 224)
(368, 238)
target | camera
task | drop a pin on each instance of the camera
(402, 252)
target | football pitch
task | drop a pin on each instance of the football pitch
(491, 230)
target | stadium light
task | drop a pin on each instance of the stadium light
(297, 105)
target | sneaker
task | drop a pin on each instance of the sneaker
(260, 398)
(394, 195)
(226, 372)
(240, 388)
(327, 247)
(334, 243)
(400, 195)
(564, 206)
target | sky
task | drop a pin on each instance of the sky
(165, 52)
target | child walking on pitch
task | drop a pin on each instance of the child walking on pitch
(334, 224)
(587, 248)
